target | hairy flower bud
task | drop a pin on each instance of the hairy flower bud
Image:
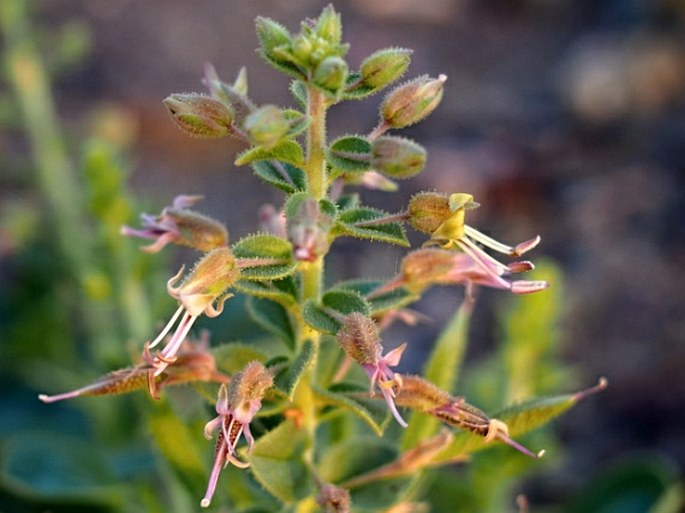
(383, 67)
(266, 126)
(420, 394)
(360, 339)
(425, 267)
(428, 210)
(397, 157)
(333, 499)
(329, 25)
(200, 115)
(271, 35)
(412, 101)
(331, 74)
(246, 390)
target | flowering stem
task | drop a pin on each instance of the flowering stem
(315, 167)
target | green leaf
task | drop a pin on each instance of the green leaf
(442, 370)
(350, 458)
(282, 175)
(366, 223)
(299, 91)
(283, 291)
(262, 246)
(288, 380)
(382, 303)
(348, 201)
(286, 151)
(276, 462)
(520, 419)
(356, 399)
(351, 153)
(298, 123)
(273, 317)
(322, 317)
(292, 206)
(233, 357)
(357, 90)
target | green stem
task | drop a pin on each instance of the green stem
(316, 144)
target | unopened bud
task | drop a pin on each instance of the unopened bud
(411, 102)
(200, 115)
(331, 74)
(329, 26)
(425, 267)
(421, 395)
(271, 35)
(397, 157)
(383, 67)
(360, 339)
(198, 231)
(308, 231)
(266, 126)
(428, 210)
(333, 499)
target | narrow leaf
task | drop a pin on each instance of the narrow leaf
(288, 380)
(442, 369)
(381, 303)
(283, 291)
(367, 223)
(266, 247)
(286, 151)
(282, 175)
(325, 317)
(350, 153)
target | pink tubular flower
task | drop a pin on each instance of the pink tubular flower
(176, 224)
(360, 339)
(206, 284)
(236, 406)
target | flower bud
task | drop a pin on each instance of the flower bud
(266, 126)
(383, 67)
(420, 394)
(360, 339)
(200, 115)
(331, 74)
(308, 231)
(271, 35)
(197, 231)
(329, 26)
(397, 157)
(333, 499)
(411, 102)
(428, 210)
(212, 275)
(425, 267)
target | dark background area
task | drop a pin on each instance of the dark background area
(563, 118)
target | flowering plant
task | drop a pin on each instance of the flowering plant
(305, 399)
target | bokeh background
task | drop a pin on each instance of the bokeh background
(563, 118)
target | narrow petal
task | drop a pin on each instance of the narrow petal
(211, 426)
(169, 352)
(160, 243)
(219, 459)
(392, 358)
(389, 399)
(166, 329)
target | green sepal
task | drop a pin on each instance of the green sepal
(356, 399)
(283, 291)
(441, 369)
(341, 301)
(282, 175)
(300, 93)
(275, 41)
(233, 357)
(348, 201)
(286, 151)
(392, 232)
(262, 246)
(350, 153)
(273, 317)
(288, 380)
(276, 464)
(356, 89)
(379, 304)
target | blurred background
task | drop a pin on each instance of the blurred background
(562, 117)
